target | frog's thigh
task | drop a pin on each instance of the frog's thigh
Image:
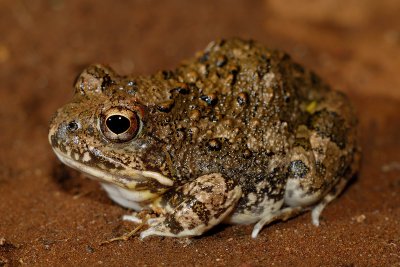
(312, 177)
(303, 187)
(195, 207)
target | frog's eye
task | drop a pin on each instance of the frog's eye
(120, 124)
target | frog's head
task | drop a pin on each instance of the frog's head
(102, 134)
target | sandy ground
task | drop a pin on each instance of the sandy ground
(50, 215)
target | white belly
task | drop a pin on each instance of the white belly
(135, 200)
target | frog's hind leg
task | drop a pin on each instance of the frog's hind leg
(292, 211)
(328, 198)
(347, 175)
(195, 207)
(289, 212)
(283, 214)
(325, 155)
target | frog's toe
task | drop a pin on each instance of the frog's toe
(316, 213)
(335, 191)
(155, 221)
(156, 227)
(132, 218)
(148, 232)
(283, 214)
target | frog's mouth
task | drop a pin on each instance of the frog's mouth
(142, 185)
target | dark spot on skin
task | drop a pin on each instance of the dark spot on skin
(247, 154)
(298, 169)
(214, 117)
(173, 197)
(333, 190)
(166, 106)
(182, 88)
(262, 70)
(77, 80)
(315, 80)
(54, 143)
(286, 97)
(242, 98)
(107, 81)
(343, 166)
(90, 131)
(204, 57)
(272, 186)
(72, 126)
(214, 144)
(234, 70)
(285, 56)
(174, 226)
(298, 69)
(290, 193)
(96, 161)
(208, 189)
(192, 132)
(221, 61)
(210, 99)
(201, 210)
(270, 153)
(267, 61)
(167, 74)
(233, 73)
(151, 185)
(230, 185)
(219, 212)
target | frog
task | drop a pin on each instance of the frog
(237, 134)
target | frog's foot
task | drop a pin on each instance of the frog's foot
(283, 214)
(336, 190)
(195, 207)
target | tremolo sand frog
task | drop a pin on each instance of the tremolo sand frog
(239, 134)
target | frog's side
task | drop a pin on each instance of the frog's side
(239, 134)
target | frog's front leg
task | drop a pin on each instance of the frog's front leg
(194, 208)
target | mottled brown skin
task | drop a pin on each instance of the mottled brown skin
(272, 129)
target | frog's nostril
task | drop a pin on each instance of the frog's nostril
(72, 126)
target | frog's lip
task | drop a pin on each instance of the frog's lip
(129, 182)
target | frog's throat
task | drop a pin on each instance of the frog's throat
(130, 182)
(136, 200)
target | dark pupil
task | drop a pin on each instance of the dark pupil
(118, 124)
